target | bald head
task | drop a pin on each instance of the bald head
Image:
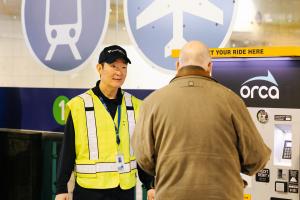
(194, 53)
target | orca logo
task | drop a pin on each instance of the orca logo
(157, 27)
(262, 91)
(62, 34)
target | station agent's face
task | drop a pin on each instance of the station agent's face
(114, 74)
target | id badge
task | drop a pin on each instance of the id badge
(120, 162)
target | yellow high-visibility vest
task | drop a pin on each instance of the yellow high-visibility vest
(96, 166)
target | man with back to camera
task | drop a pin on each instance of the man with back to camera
(196, 136)
(96, 141)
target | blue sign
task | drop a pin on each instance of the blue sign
(39, 108)
(269, 83)
(62, 34)
(158, 27)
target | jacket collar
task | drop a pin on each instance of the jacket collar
(192, 70)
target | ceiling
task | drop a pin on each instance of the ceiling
(10, 7)
(273, 22)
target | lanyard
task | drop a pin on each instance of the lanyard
(118, 140)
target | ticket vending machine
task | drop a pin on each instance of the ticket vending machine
(279, 180)
(270, 89)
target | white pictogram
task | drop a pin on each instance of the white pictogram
(62, 34)
(158, 9)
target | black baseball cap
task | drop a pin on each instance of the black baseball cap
(112, 53)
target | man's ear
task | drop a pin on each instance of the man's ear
(177, 65)
(209, 69)
(210, 64)
(99, 67)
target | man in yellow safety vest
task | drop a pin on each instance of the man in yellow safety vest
(97, 136)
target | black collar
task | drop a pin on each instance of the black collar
(99, 94)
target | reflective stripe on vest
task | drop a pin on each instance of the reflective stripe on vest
(91, 125)
(130, 117)
(105, 167)
(92, 131)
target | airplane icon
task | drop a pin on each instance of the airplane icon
(158, 9)
(61, 34)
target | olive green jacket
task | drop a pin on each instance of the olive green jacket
(197, 136)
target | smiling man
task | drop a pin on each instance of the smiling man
(97, 136)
